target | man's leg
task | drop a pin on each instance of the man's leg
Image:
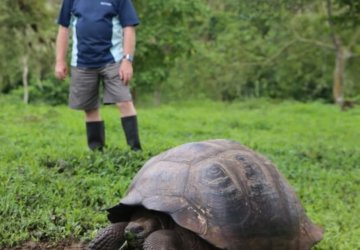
(115, 91)
(129, 124)
(95, 129)
(84, 95)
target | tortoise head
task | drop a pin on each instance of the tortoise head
(142, 223)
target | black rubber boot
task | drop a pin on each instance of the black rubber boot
(130, 128)
(95, 135)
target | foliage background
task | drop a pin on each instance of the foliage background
(223, 50)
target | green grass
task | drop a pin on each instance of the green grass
(53, 189)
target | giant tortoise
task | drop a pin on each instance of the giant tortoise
(215, 194)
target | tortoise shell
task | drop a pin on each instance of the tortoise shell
(224, 192)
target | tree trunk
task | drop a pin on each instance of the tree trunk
(338, 81)
(338, 84)
(25, 79)
(157, 97)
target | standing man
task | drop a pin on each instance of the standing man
(103, 33)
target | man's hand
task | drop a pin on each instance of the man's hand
(126, 71)
(61, 70)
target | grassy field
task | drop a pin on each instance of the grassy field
(54, 190)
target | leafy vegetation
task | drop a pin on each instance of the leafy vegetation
(223, 50)
(53, 189)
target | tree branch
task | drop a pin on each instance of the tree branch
(335, 38)
(354, 38)
(315, 42)
(272, 57)
(279, 52)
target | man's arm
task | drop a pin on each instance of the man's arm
(61, 50)
(126, 69)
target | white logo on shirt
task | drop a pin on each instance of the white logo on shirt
(105, 3)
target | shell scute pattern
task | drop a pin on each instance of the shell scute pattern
(224, 192)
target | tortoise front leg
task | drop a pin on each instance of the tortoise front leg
(177, 239)
(165, 239)
(109, 238)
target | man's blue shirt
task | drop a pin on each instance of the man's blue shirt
(97, 29)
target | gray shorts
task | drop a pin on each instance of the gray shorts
(85, 87)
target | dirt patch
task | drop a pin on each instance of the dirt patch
(30, 245)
